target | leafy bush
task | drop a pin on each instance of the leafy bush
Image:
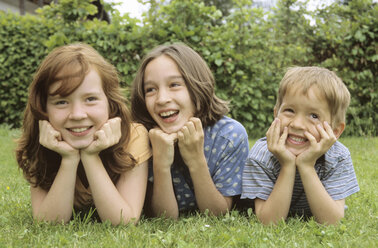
(248, 50)
(346, 42)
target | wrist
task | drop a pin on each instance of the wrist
(162, 168)
(306, 167)
(88, 157)
(71, 158)
(196, 166)
(287, 165)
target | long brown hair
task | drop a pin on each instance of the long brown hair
(198, 78)
(70, 64)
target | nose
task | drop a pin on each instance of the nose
(298, 122)
(77, 112)
(163, 97)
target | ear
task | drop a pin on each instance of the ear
(339, 129)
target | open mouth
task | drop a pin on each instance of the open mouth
(297, 139)
(79, 129)
(168, 114)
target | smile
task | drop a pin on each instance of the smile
(296, 139)
(168, 114)
(79, 129)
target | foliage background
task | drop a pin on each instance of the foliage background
(247, 49)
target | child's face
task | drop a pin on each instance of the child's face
(79, 115)
(167, 97)
(300, 112)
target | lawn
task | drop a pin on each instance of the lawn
(358, 229)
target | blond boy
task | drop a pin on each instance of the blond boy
(300, 168)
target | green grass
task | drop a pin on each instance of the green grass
(358, 229)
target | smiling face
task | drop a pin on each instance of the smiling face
(79, 115)
(302, 112)
(166, 95)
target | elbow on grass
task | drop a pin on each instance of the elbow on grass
(334, 220)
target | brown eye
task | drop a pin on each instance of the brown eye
(149, 89)
(91, 99)
(289, 110)
(60, 102)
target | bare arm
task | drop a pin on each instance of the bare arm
(163, 198)
(56, 203)
(323, 207)
(191, 144)
(119, 203)
(277, 206)
(207, 195)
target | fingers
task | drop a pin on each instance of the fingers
(48, 136)
(327, 138)
(108, 135)
(191, 128)
(282, 139)
(53, 140)
(158, 135)
(273, 133)
(310, 138)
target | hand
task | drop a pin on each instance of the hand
(163, 147)
(52, 139)
(191, 142)
(276, 143)
(316, 149)
(108, 135)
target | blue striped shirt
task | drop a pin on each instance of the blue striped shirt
(334, 168)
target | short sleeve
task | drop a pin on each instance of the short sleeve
(260, 174)
(229, 154)
(139, 145)
(341, 181)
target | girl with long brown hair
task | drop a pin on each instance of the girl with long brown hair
(198, 152)
(79, 147)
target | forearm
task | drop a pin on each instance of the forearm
(207, 195)
(164, 201)
(323, 207)
(277, 206)
(107, 199)
(57, 203)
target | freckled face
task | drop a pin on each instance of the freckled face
(302, 112)
(167, 97)
(79, 115)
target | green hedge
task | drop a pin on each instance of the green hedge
(248, 50)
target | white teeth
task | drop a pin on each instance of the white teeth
(168, 113)
(79, 130)
(297, 139)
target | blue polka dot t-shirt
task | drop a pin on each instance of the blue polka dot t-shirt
(226, 149)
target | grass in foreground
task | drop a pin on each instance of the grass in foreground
(358, 229)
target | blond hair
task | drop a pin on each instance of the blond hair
(329, 84)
